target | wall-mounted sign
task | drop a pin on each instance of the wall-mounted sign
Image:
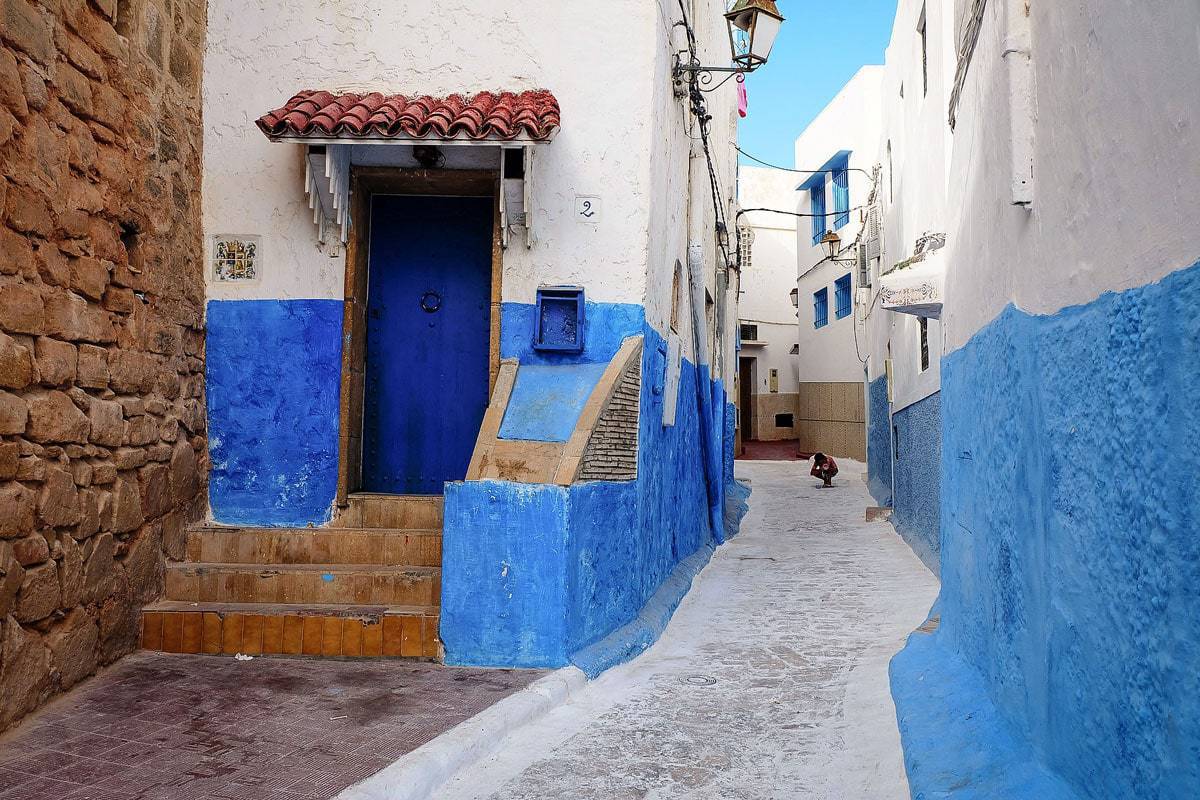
(236, 258)
(587, 208)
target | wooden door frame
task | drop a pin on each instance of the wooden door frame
(746, 393)
(365, 183)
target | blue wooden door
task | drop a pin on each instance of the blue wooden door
(428, 328)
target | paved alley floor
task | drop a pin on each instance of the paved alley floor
(175, 727)
(770, 682)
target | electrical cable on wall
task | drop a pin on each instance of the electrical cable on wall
(699, 109)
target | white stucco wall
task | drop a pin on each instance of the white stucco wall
(914, 152)
(625, 137)
(682, 209)
(1116, 133)
(771, 275)
(849, 123)
(599, 60)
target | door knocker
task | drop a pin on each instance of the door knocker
(431, 302)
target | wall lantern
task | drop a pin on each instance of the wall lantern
(753, 27)
(832, 243)
(795, 295)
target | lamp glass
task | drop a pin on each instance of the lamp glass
(795, 295)
(833, 243)
(766, 29)
(753, 28)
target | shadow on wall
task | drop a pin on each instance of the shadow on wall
(879, 444)
(1070, 556)
(917, 502)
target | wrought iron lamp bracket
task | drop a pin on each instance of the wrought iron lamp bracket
(688, 69)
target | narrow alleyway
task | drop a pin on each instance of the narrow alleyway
(771, 681)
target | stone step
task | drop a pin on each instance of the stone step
(378, 546)
(395, 511)
(354, 631)
(360, 584)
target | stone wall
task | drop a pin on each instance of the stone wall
(768, 408)
(102, 452)
(831, 418)
(612, 452)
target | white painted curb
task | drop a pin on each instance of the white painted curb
(417, 775)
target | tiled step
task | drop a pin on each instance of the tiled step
(378, 546)
(354, 631)
(396, 511)
(303, 583)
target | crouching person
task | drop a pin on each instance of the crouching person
(824, 468)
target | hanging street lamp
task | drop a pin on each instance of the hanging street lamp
(832, 243)
(753, 27)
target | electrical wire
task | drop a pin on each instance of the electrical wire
(800, 171)
(797, 213)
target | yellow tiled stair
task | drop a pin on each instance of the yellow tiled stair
(369, 587)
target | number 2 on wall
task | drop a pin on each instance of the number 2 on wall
(587, 209)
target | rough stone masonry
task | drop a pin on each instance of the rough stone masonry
(102, 450)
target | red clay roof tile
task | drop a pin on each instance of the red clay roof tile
(500, 116)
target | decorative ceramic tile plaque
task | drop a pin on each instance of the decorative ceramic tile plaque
(235, 258)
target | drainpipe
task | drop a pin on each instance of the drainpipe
(712, 476)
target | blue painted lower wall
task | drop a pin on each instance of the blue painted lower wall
(531, 574)
(508, 600)
(273, 381)
(1070, 555)
(506, 556)
(917, 515)
(879, 443)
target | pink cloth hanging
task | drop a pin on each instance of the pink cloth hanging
(743, 98)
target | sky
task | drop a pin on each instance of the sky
(820, 47)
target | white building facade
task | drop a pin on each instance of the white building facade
(836, 156)
(1052, 435)
(904, 342)
(450, 262)
(768, 380)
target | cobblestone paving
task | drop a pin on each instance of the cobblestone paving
(771, 681)
(175, 727)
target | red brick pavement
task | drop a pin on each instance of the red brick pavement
(176, 727)
(786, 450)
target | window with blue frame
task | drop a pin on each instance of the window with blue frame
(821, 308)
(841, 194)
(841, 296)
(817, 193)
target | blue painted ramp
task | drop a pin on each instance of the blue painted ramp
(546, 401)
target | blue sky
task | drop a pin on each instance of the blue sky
(821, 45)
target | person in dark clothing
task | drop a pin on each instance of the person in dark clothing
(824, 468)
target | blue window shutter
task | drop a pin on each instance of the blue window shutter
(818, 211)
(841, 196)
(821, 308)
(842, 290)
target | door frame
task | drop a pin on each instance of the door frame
(365, 183)
(747, 376)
